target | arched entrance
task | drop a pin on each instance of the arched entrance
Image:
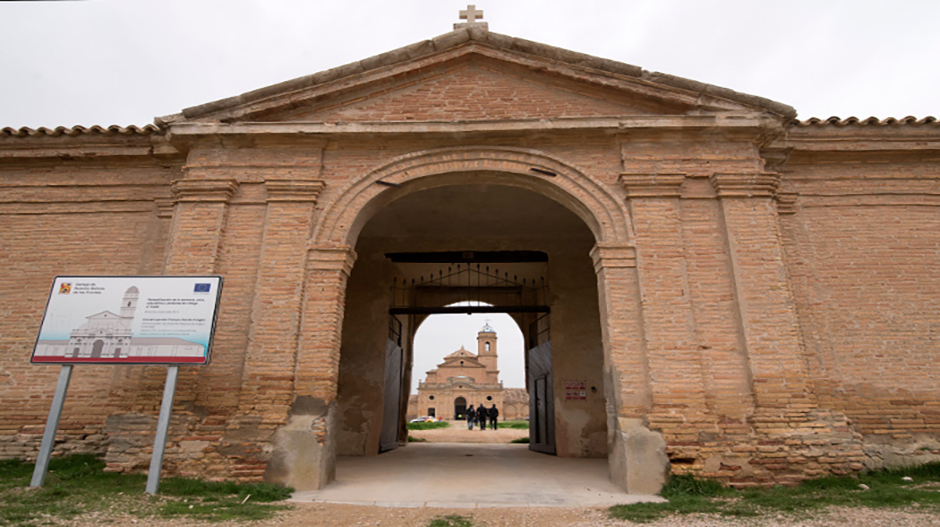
(504, 249)
(470, 200)
(460, 408)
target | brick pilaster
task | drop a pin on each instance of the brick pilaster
(764, 297)
(321, 329)
(675, 365)
(196, 232)
(268, 377)
(627, 380)
(198, 224)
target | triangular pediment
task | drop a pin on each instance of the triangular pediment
(474, 75)
(474, 90)
(103, 314)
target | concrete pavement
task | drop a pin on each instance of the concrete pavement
(461, 475)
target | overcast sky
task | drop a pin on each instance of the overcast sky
(126, 61)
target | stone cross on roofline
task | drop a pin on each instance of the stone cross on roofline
(471, 15)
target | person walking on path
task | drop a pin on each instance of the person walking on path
(494, 415)
(471, 416)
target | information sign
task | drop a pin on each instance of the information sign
(129, 320)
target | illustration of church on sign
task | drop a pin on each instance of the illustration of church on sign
(107, 335)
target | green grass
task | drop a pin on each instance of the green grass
(77, 485)
(689, 495)
(428, 425)
(518, 425)
(520, 440)
(451, 520)
(413, 439)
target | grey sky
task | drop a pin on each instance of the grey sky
(127, 61)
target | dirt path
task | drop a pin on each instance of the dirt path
(328, 514)
(458, 433)
(325, 514)
(342, 515)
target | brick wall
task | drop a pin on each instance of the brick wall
(865, 253)
(770, 323)
(70, 218)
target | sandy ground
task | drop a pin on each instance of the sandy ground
(458, 433)
(326, 514)
(317, 514)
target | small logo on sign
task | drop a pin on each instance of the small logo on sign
(65, 288)
(202, 288)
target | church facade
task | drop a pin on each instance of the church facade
(466, 379)
(707, 284)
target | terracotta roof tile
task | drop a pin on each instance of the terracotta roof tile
(871, 121)
(79, 130)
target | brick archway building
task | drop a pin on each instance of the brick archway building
(747, 296)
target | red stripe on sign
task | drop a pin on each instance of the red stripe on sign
(127, 360)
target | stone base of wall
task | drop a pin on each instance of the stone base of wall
(207, 447)
(763, 450)
(25, 444)
(882, 452)
(773, 449)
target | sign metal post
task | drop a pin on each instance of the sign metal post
(52, 426)
(163, 425)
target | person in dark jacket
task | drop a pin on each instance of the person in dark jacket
(494, 416)
(471, 416)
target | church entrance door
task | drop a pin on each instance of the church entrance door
(541, 400)
(460, 408)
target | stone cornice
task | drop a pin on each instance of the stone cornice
(304, 190)
(185, 131)
(331, 258)
(652, 185)
(204, 190)
(610, 256)
(759, 185)
(82, 147)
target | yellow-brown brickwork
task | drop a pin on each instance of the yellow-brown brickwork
(768, 294)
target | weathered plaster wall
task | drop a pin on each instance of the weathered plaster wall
(362, 363)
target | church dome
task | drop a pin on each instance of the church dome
(487, 328)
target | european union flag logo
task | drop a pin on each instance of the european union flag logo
(202, 288)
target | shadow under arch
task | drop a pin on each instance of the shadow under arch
(357, 202)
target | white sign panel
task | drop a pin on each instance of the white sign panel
(129, 320)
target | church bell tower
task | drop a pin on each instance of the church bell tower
(486, 349)
(129, 304)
